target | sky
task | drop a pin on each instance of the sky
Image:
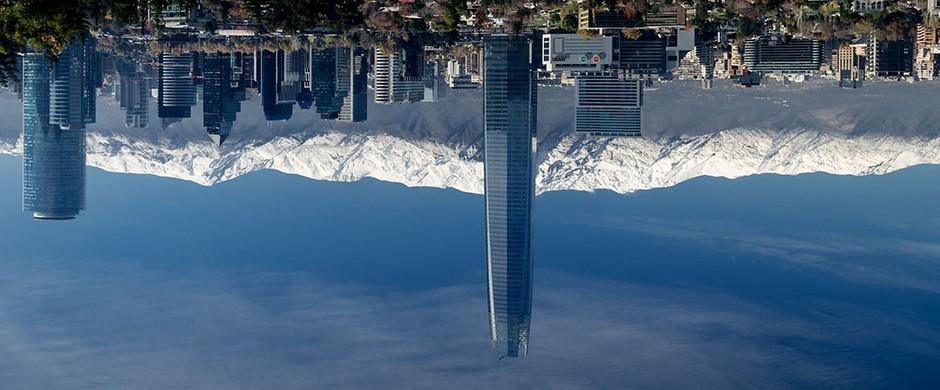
(277, 281)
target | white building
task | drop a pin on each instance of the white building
(574, 53)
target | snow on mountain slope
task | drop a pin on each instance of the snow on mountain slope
(575, 163)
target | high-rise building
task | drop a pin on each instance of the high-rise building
(355, 103)
(133, 93)
(221, 104)
(391, 83)
(645, 56)
(433, 81)
(176, 90)
(890, 59)
(608, 106)
(509, 111)
(329, 80)
(927, 52)
(53, 153)
(850, 65)
(774, 54)
(72, 99)
(268, 88)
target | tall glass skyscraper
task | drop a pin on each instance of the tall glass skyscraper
(176, 89)
(54, 152)
(269, 88)
(509, 110)
(221, 104)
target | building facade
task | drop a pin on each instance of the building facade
(608, 106)
(53, 154)
(777, 55)
(510, 115)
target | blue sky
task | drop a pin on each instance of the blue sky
(278, 281)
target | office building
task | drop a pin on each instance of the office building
(574, 53)
(133, 93)
(433, 81)
(608, 106)
(643, 57)
(355, 102)
(890, 59)
(509, 110)
(272, 106)
(222, 101)
(72, 89)
(850, 65)
(176, 90)
(53, 153)
(391, 84)
(776, 54)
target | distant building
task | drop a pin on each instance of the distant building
(698, 64)
(678, 44)
(574, 53)
(645, 56)
(355, 103)
(391, 84)
(850, 65)
(273, 107)
(509, 117)
(890, 59)
(777, 55)
(133, 94)
(329, 80)
(672, 16)
(72, 89)
(667, 16)
(221, 104)
(53, 153)
(433, 81)
(927, 52)
(608, 106)
(866, 6)
(176, 92)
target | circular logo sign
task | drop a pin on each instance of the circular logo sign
(596, 59)
(583, 59)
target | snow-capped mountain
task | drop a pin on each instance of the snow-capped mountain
(574, 163)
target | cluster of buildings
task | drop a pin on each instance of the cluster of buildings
(58, 102)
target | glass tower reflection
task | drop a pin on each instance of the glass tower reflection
(510, 98)
(58, 101)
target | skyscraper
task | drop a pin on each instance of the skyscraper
(274, 110)
(509, 110)
(329, 80)
(133, 93)
(221, 104)
(72, 88)
(355, 102)
(392, 83)
(176, 90)
(53, 153)
(608, 106)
